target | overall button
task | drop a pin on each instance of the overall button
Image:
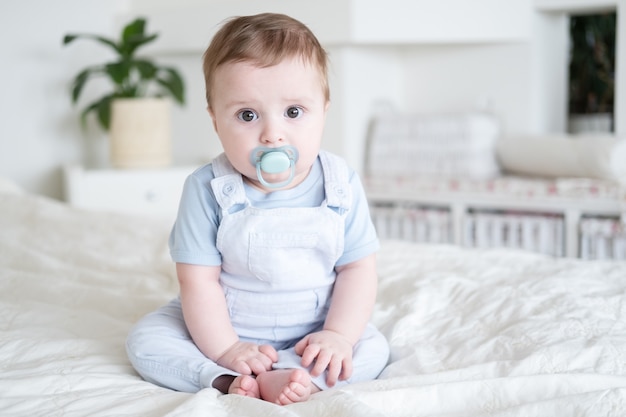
(339, 191)
(228, 188)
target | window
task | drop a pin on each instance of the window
(592, 72)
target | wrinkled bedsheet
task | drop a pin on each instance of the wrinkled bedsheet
(473, 332)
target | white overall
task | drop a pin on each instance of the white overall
(277, 275)
(279, 279)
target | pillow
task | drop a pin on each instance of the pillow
(460, 145)
(585, 155)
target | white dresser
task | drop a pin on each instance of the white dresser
(149, 192)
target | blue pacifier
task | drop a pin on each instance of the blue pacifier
(274, 161)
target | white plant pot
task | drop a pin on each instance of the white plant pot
(140, 133)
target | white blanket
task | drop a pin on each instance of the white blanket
(473, 333)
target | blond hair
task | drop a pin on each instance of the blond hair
(264, 40)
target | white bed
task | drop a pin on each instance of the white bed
(473, 333)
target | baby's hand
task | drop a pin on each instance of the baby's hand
(330, 351)
(248, 358)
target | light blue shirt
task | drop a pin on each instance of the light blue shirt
(193, 237)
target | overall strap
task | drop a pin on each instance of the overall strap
(336, 182)
(227, 185)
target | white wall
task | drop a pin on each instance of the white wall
(363, 80)
(489, 77)
(194, 141)
(549, 72)
(38, 129)
(504, 61)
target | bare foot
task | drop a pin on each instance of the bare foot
(245, 385)
(285, 386)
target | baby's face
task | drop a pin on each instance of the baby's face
(270, 107)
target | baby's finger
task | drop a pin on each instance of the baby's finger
(301, 345)
(270, 352)
(309, 354)
(260, 365)
(242, 367)
(321, 362)
(265, 361)
(333, 371)
(255, 365)
(346, 369)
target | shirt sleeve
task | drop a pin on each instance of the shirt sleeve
(360, 235)
(193, 237)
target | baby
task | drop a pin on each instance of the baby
(273, 243)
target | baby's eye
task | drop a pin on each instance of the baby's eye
(247, 115)
(293, 112)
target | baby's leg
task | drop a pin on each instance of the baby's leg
(286, 386)
(161, 350)
(371, 354)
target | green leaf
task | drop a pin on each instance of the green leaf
(146, 69)
(93, 107)
(119, 72)
(69, 38)
(102, 108)
(85, 112)
(108, 42)
(173, 83)
(136, 27)
(133, 36)
(135, 42)
(79, 83)
(104, 112)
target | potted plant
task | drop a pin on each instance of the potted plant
(592, 72)
(136, 113)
